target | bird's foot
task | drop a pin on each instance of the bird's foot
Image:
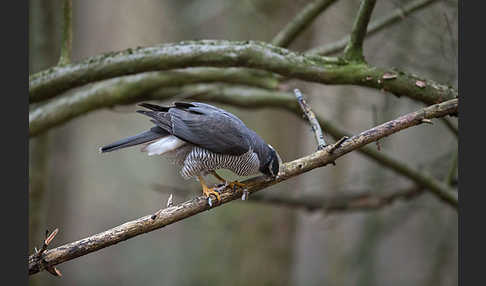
(211, 191)
(236, 184)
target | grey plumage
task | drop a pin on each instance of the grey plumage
(201, 138)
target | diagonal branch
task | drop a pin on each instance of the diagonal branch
(241, 96)
(374, 27)
(220, 53)
(354, 49)
(301, 21)
(452, 128)
(290, 169)
(451, 175)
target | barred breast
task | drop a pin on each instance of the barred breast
(197, 160)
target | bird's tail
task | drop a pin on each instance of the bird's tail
(147, 136)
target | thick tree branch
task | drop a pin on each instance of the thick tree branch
(396, 16)
(129, 89)
(228, 54)
(291, 169)
(301, 21)
(67, 34)
(342, 202)
(354, 48)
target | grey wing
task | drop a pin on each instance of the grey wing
(205, 126)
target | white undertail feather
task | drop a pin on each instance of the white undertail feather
(163, 145)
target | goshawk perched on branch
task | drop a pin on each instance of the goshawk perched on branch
(201, 138)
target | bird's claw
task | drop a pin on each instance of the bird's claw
(212, 192)
(245, 195)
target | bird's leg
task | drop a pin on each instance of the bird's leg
(208, 191)
(226, 183)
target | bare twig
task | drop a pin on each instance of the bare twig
(450, 126)
(337, 144)
(453, 170)
(301, 21)
(374, 27)
(67, 34)
(311, 117)
(291, 169)
(342, 202)
(38, 255)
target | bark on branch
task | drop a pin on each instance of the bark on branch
(291, 169)
(222, 53)
(129, 89)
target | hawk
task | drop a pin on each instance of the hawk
(200, 138)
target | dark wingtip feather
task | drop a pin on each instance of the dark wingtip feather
(183, 104)
(154, 107)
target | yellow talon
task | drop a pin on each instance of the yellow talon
(209, 191)
(233, 185)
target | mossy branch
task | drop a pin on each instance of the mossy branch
(222, 53)
(190, 208)
(129, 89)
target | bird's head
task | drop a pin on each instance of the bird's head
(271, 164)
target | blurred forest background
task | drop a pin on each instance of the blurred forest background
(83, 192)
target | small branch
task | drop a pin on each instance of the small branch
(354, 49)
(396, 16)
(301, 21)
(184, 210)
(342, 202)
(38, 256)
(450, 126)
(453, 169)
(67, 34)
(311, 117)
(338, 143)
